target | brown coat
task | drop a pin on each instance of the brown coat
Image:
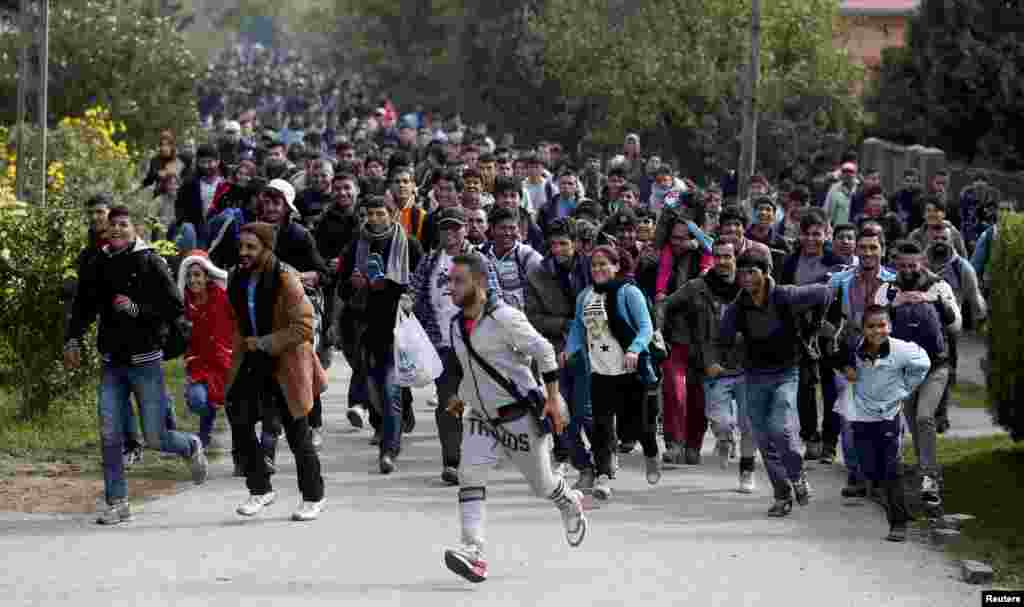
(296, 366)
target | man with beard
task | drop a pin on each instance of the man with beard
(944, 261)
(312, 201)
(924, 311)
(514, 260)
(274, 372)
(433, 307)
(696, 309)
(765, 314)
(551, 292)
(129, 287)
(477, 228)
(935, 219)
(507, 409)
(294, 245)
(856, 289)
(378, 267)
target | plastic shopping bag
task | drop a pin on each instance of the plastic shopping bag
(844, 404)
(416, 361)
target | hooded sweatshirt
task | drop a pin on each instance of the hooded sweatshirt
(133, 336)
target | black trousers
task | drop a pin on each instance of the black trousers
(878, 455)
(812, 374)
(300, 440)
(449, 427)
(619, 404)
(316, 416)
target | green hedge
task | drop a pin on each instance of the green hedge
(1006, 330)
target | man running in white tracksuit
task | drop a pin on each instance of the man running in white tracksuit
(495, 345)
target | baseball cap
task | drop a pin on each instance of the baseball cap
(452, 215)
(232, 126)
(285, 188)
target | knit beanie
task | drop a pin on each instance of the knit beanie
(261, 230)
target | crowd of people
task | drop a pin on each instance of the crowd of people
(580, 314)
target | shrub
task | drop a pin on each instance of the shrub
(39, 247)
(1006, 333)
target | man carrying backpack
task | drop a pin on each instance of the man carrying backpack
(129, 287)
(924, 311)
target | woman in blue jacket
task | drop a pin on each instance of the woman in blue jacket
(611, 333)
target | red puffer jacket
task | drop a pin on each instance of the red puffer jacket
(209, 354)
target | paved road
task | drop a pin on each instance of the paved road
(690, 540)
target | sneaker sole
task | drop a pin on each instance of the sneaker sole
(461, 568)
(582, 532)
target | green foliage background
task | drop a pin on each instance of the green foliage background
(1006, 331)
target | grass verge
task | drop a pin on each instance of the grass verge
(984, 477)
(969, 395)
(70, 435)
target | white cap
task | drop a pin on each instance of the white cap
(285, 188)
(232, 126)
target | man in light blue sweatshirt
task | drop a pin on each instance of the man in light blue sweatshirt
(883, 372)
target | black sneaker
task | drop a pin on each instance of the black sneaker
(781, 507)
(898, 533)
(828, 455)
(387, 464)
(450, 476)
(852, 490)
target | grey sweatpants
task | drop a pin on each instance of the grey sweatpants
(520, 441)
(919, 412)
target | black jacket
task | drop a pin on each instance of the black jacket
(295, 246)
(143, 276)
(335, 232)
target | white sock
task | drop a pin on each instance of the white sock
(473, 512)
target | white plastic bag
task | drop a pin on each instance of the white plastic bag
(416, 361)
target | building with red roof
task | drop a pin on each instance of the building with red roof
(868, 26)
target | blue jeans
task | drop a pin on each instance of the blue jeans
(197, 398)
(771, 404)
(388, 394)
(117, 384)
(570, 441)
(725, 405)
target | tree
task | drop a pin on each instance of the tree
(480, 59)
(132, 62)
(676, 65)
(957, 84)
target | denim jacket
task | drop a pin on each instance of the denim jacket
(885, 381)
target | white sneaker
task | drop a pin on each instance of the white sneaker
(603, 487)
(197, 460)
(747, 482)
(309, 511)
(574, 520)
(318, 438)
(559, 468)
(255, 503)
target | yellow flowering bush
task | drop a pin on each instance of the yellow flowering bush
(86, 154)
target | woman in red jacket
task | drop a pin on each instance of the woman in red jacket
(209, 353)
